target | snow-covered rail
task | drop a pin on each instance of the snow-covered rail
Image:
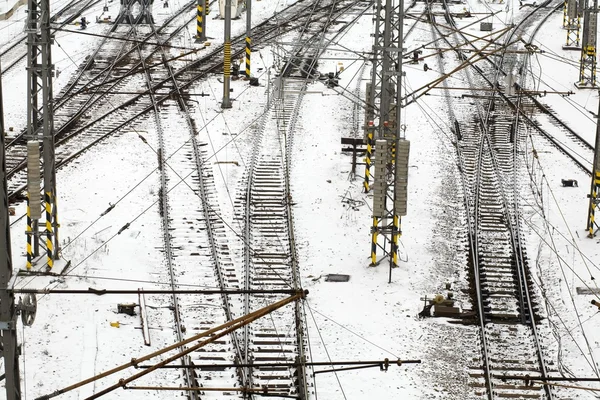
(487, 145)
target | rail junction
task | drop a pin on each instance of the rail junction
(139, 80)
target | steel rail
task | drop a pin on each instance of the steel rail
(165, 219)
(524, 296)
(65, 95)
(264, 32)
(208, 208)
(90, 3)
(473, 242)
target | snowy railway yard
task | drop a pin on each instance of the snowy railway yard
(192, 216)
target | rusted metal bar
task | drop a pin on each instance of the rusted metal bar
(134, 362)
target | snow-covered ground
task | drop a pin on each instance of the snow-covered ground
(366, 318)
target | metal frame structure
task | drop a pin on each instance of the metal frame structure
(385, 131)
(126, 17)
(587, 66)
(573, 24)
(8, 311)
(40, 118)
(592, 225)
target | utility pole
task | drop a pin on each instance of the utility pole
(41, 119)
(227, 57)
(201, 22)
(391, 148)
(8, 311)
(587, 66)
(592, 225)
(248, 33)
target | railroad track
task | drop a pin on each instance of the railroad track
(125, 111)
(487, 148)
(270, 251)
(13, 54)
(266, 203)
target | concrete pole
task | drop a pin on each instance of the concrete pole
(8, 315)
(227, 57)
(201, 21)
(248, 37)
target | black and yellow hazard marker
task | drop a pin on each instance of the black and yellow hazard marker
(227, 60)
(395, 236)
(199, 22)
(29, 234)
(368, 156)
(374, 242)
(49, 245)
(593, 197)
(248, 51)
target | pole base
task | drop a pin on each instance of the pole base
(565, 47)
(586, 85)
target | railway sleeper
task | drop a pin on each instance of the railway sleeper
(265, 359)
(275, 351)
(278, 342)
(519, 395)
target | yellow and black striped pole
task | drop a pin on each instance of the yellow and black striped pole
(227, 60)
(368, 156)
(395, 236)
(565, 18)
(591, 222)
(593, 203)
(49, 244)
(29, 234)
(248, 51)
(374, 242)
(201, 12)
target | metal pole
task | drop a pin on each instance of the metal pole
(8, 315)
(227, 56)
(595, 180)
(33, 122)
(248, 33)
(201, 22)
(396, 231)
(48, 135)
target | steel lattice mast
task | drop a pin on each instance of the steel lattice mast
(40, 118)
(384, 131)
(587, 66)
(8, 311)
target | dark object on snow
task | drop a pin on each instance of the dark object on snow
(83, 23)
(253, 81)
(569, 182)
(126, 308)
(337, 278)
(426, 312)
